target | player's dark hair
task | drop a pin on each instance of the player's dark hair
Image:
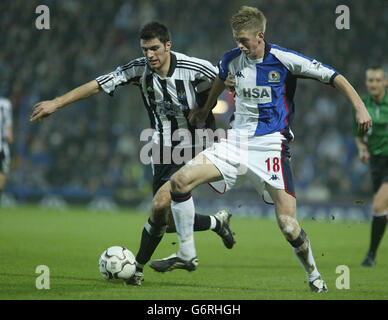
(154, 30)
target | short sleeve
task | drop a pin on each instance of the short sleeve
(301, 65)
(126, 74)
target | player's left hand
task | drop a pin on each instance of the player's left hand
(363, 119)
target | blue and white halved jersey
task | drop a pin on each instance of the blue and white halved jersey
(265, 87)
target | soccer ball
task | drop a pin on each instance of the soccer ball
(117, 263)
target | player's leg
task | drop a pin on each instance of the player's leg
(285, 209)
(154, 228)
(379, 175)
(2, 182)
(161, 221)
(218, 222)
(198, 171)
(379, 222)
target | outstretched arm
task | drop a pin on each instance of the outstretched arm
(44, 108)
(363, 118)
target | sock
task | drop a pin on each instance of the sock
(379, 223)
(203, 222)
(182, 207)
(215, 224)
(150, 238)
(302, 249)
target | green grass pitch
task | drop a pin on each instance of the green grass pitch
(260, 266)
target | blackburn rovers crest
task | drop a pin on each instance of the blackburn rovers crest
(273, 76)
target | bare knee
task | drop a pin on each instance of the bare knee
(179, 182)
(289, 227)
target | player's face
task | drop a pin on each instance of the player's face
(156, 52)
(249, 42)
(375, 82)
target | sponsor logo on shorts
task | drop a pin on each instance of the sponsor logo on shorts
(274, 177)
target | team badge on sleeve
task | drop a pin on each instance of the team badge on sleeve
(273, 76)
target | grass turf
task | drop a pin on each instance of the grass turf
(260, 266)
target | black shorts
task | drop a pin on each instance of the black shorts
(379, 171)
(162, 173)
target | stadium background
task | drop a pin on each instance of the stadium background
(89, 152)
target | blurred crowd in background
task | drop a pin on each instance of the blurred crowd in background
(92, 147)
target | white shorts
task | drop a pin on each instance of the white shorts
(258, 159)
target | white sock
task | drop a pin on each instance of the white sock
(183, 213)
(305, 255)
(213, 222)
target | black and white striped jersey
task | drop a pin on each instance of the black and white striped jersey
(5, 121)
(167, 100)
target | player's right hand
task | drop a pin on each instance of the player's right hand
(230, 82)
(364, 154)
(43, 109)
(197, 117)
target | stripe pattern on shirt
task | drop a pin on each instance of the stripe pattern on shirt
(167, 100)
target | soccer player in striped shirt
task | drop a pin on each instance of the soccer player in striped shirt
(6, 137)
(257, 146)
(171, 84)
(373, 147)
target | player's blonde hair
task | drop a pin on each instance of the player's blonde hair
(248, 18)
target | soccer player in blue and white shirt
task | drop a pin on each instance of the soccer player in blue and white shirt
(257, 146)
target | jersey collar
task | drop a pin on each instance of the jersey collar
(267, 49)
(171, 70)
(172, 65)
